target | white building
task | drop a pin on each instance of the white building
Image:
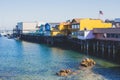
(86, 34)
(28, 27)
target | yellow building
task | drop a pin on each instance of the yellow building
(87, 24)
(64, 28)
(77, 25)
(55, 32)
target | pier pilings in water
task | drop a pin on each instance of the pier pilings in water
(106, 49)
(50, 40)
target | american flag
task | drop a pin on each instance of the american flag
(100, 12)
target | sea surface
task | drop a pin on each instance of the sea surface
(21, 60)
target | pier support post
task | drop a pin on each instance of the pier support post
(94, 52)
(108, 51)
(113, 52)
(87, 44)
(81, 45)
(97, 48)
(103, 50)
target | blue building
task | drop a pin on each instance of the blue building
(48, 27)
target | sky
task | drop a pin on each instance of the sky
(13, 11)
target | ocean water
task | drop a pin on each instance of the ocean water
(21, 60)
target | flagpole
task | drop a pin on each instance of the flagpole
(98, 16)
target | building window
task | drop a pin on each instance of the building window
(108, 35)
(118, 35)
(81, 33)
(78, 26)
(75, 26)
(72, 33)
(113, 35)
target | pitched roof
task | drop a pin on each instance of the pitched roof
(76, 20)
(53, 24)
(65, 23)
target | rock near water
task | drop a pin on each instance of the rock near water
(64, 72)
(87, 62)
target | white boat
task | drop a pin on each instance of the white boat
(3, 34)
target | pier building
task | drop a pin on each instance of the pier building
(112, 34)
(27, 27)
(82, 28)
(49, 27)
